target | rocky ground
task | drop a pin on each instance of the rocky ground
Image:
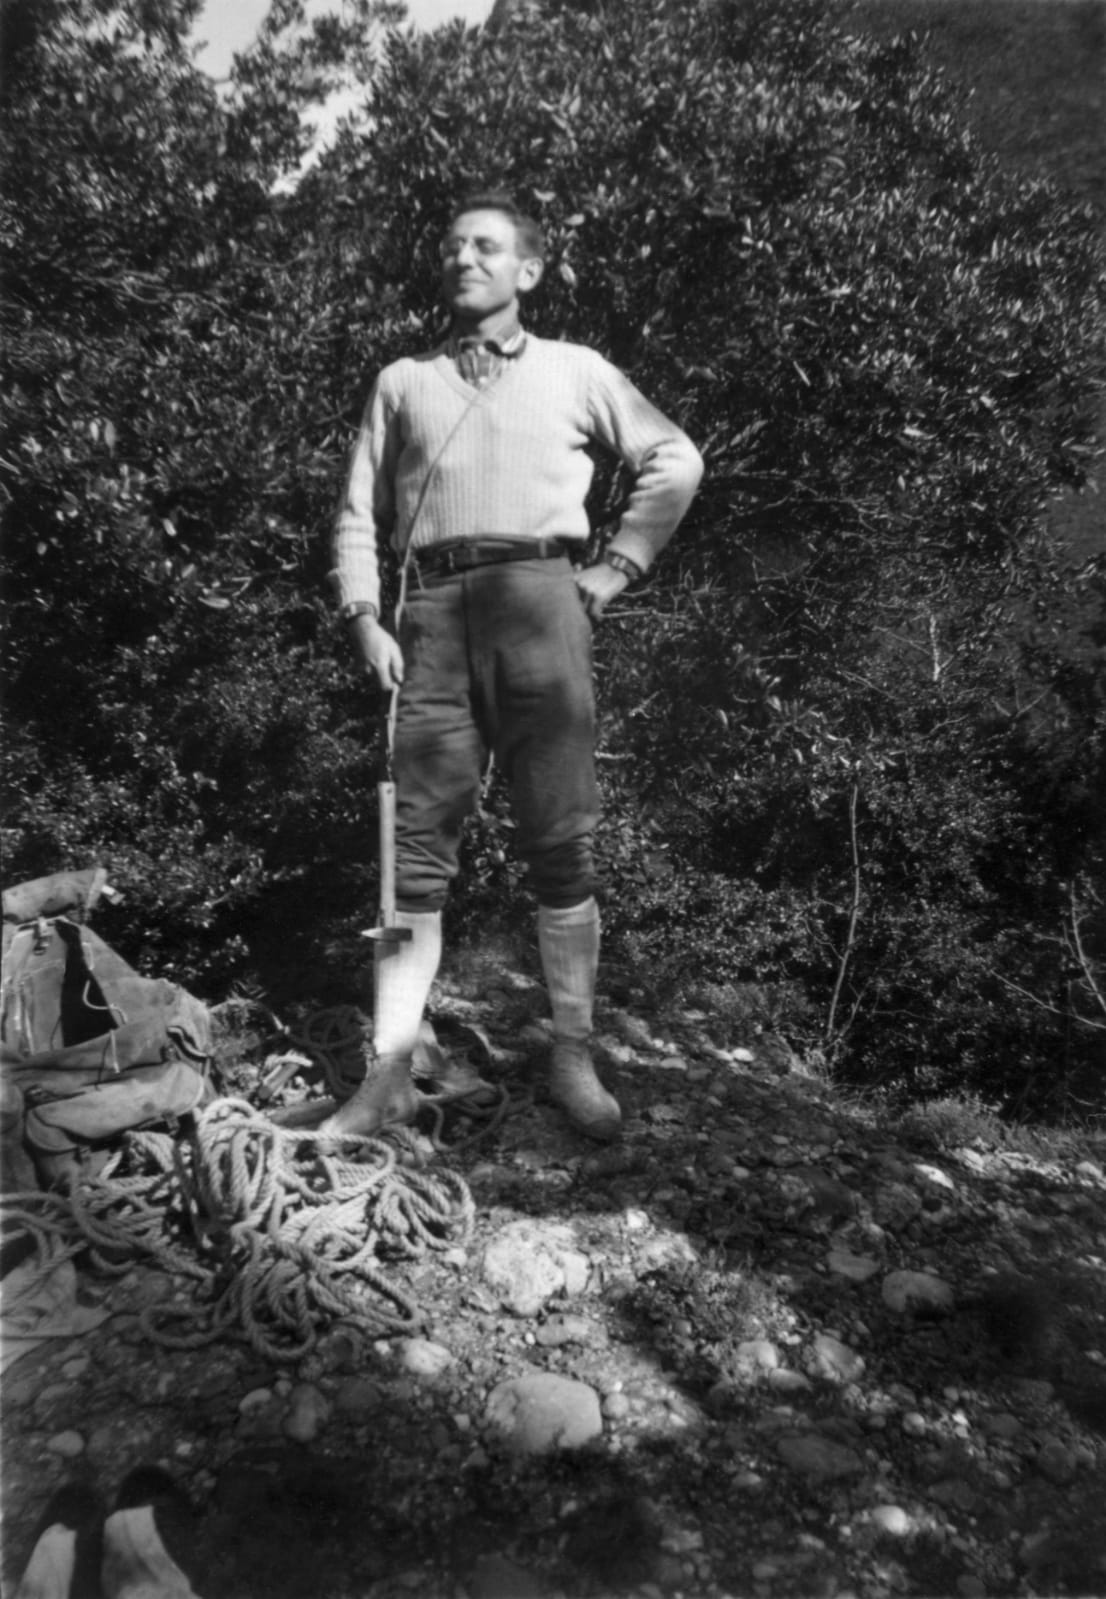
(769, 1344)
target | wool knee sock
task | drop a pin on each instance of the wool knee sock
(49, 1572)
(568, 939)
(402, 976)
(137, 1564)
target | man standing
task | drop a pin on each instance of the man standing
(471, 460)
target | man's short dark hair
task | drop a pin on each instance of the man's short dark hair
(531, 241)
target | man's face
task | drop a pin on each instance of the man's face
(482, 271)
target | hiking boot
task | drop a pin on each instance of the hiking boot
(149, 1532)
(574, 1086)
(386, 1098)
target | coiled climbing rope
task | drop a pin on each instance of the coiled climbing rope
(281, 1230)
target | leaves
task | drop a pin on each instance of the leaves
(789, 240)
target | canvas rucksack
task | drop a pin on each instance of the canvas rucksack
(91, 1048)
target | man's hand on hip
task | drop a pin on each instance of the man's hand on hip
(598, 586)
(378, 650)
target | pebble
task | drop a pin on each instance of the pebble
(854, 1268)
(527, 1262)
(969, 1586)
(919, 1292)
(891, 1519)
(1056, 1462)
(1001, 1425)
(896, 1206)
(615, 1407)
(422, 1358)
(788, 1382)
(66, 1444)
(256, 1399)
(671, 1250)
(542, 1412)
(560, 1330)
(755, 1355)
(834, 1361)
(935, 1177)
(308, 1414)
(818, 1458)
(914, 1424)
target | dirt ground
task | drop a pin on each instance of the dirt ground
(761, 1414)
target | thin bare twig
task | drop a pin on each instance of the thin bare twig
(854, 913)
(1042, 1004)
(1081, 956)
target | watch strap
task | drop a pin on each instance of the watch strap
(623, 564)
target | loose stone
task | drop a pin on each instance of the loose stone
(422, 1358)
(537, 1414)
(896, 1206)
(1056, 1462)
(256, 1399)
(66, 1444)
(892, 1520)
(528, 1262)
(819, 1458)
(834, 1361)
(308, 1413)
(969, 1586)
(919, 1292)
(854, 1268)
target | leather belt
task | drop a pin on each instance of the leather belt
(462, 555)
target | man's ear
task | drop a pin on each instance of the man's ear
(530, 274)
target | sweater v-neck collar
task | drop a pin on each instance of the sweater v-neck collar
(444, 365)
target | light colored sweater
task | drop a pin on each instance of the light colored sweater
(437, 459)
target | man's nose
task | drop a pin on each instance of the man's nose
(465, 255)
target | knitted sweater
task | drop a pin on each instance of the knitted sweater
(438, 459)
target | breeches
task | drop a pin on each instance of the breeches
(496, 659)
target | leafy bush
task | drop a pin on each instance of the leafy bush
(848, 753)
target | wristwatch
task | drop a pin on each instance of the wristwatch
(623, 564)
(357, 608)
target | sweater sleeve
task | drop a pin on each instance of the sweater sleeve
(367, 511)
(665, 464)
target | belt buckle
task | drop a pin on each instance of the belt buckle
(464, 558)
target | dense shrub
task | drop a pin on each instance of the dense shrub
(847, 752)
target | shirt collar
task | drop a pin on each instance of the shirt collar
(509, 342)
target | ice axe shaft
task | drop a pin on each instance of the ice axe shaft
(387, 932)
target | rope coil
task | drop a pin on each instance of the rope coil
(282, 1229)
